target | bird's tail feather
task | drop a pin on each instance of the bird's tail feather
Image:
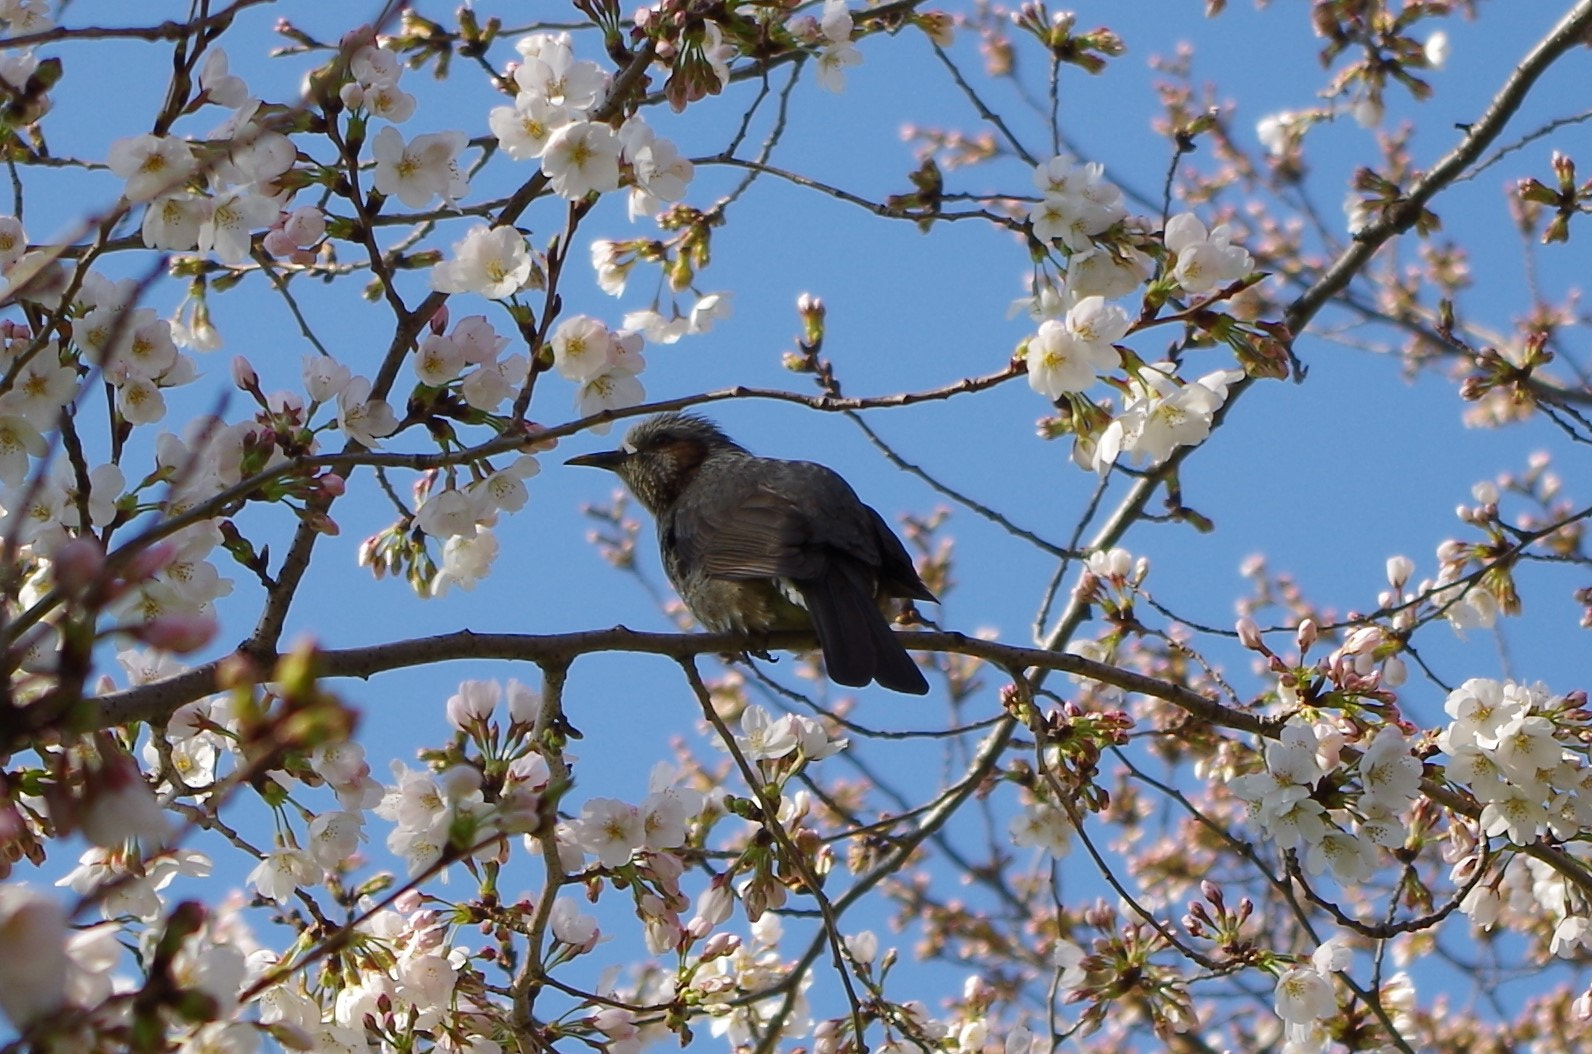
(857, 642)
(893, 666)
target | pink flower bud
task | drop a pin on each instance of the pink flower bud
(178, 633)
(278, 243)
(151, 561)
(306, 226)
(720, 944)
(321, 522)
(78, 563)
(439, 321)
(243, 375)
(352, 95)
(667, 866)
(713, 908)
(407, 902)
(332, 484)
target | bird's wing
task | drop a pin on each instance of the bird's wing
(897, 576)
(789, 519)
(762, 533)
(758, 518)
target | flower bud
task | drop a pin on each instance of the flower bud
(243, 375)
(178, 633)
(305, 226)
(278, 243)
(78, 563)
(148, 562)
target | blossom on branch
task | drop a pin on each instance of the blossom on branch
(493, 262)
(1204, 260)
(424, 168)
(582, 158)
(152, 165)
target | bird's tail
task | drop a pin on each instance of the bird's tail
(857, 642)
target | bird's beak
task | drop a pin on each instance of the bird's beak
(608, 459)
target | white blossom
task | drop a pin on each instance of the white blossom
(1204, 260)
(610, 830)
(33, 959)
(1303, 996)
(582, 158)
(421, 169)
(493, 262)
(152, 164)
(282, 872)
(362, 418)
(524, 128)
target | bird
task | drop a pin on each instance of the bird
(754, 544)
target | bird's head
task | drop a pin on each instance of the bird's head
(660, 456)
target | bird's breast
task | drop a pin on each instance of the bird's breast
(742, 605)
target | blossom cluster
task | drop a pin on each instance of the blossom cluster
(128, 346)
(1505, 745)
(465, 362)
(48, 508)
(1342, 838)
(763, 737)
(1110, 254)
(552, 120)
(602, 363)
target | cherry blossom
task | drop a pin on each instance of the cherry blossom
(229, 222)
(493, 262)
(1304, 996)
(610, 830)
(282, 872)
(582, 348)
(466, 559)
(582, 158)
(19, 441)
(1204, 259)
(33, 959)
(420, 170)
(362, 419)
(551, 72)
(839, 53)
(152, 165)
(523, 129)
(1077, 203)
(1067, 356)
(173, 221)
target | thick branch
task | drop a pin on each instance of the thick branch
(155, 702)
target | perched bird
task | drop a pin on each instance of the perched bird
(753, 544)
